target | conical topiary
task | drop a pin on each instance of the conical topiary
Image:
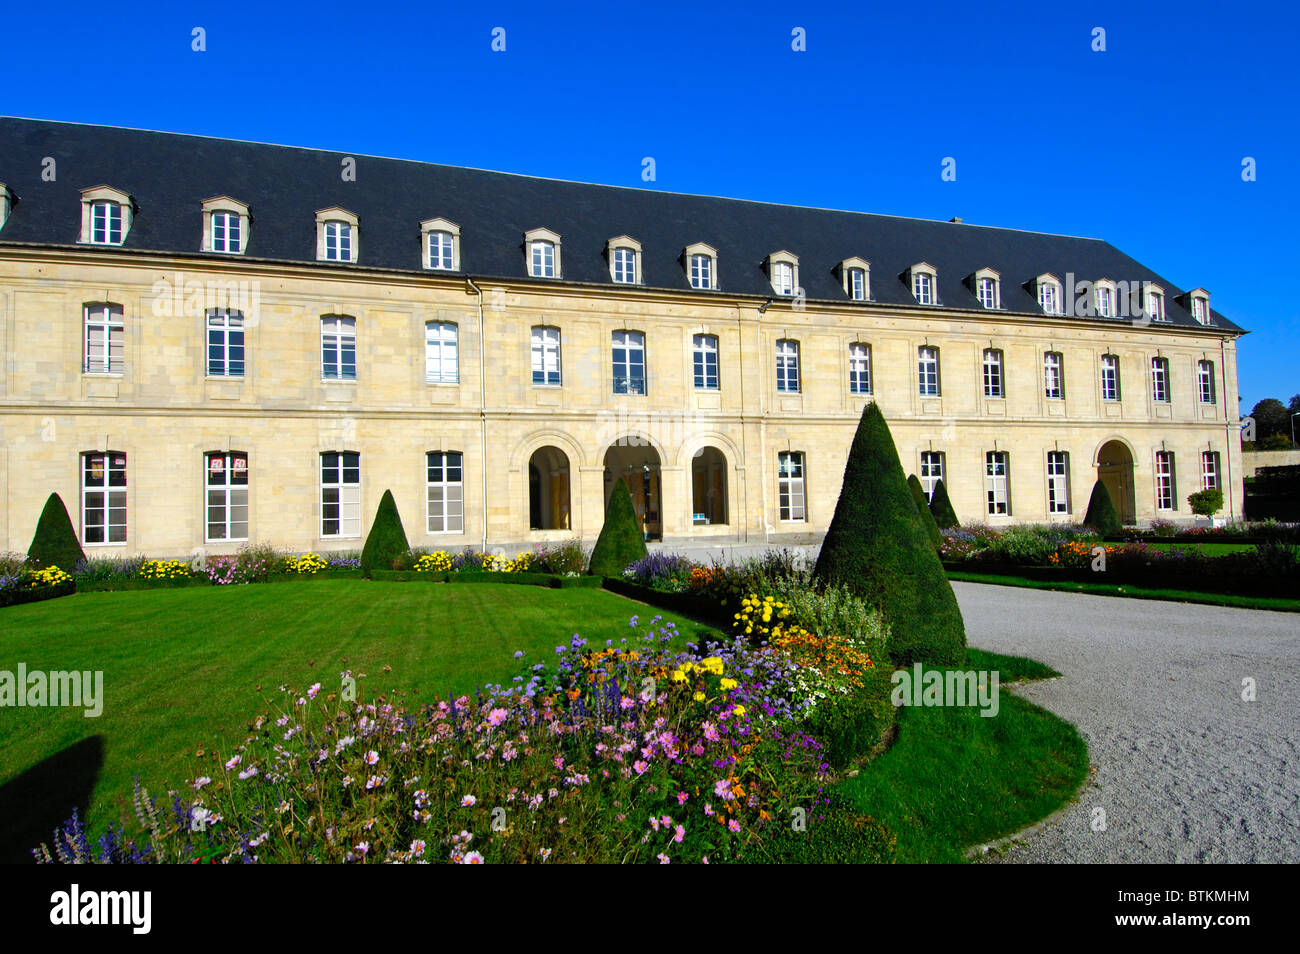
(386, 540)
(941, 507)
(1101, 515)
(923, 510)
(55, 542)
(875, 546)
(621, 541)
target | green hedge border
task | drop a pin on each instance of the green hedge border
(1162, 579)
(35, 594)
(552, 580)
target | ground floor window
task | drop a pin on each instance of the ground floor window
(103, 499)
(1210, 470)
(790, 486)
(1166, 496)
(226, 501)
(995, 482)
(445, 492)
(1058, 482)
(931, 471)
(340, 494)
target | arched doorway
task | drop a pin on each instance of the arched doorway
(708, 487)
(1115, 471)
(548, 489)
(637, 462)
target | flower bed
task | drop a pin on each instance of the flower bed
(32, 586)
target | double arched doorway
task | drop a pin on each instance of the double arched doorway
(1115, 471)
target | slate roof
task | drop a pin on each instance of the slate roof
(169, 175)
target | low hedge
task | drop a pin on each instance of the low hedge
(35, 594)
(552, 580)
(685, 604)
(1223, 574)
(112, 586)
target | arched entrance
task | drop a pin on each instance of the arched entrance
(637, 462)
(1115, 471)
(708, 487)
(548, 489)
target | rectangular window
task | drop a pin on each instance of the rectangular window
(225, 344)
(440, 250)
(1104, 302)
(1058, 482)
(988, 292)
(701, 271)
(103, 499)
(106, 223)
(995, 483)
(1201, 310)
(629, 362)
(1049, 297)
(103, 339)
(787, 366)
(340, 494)
(931, 471)
(338, 242)
(783, 278)
(227, 496)
(226, 232)
(441, 362)
(1109, 377)
(706, 362)
(543, 259)
(1160, 380)
(1205, 381)
(923, 288)
(1210, 470)
(546, 356)
(857, 284)
(446, 492)
(1166, 495)
(859, 369)
(338, 347)
(993, 373)
(1155, 306)
(927, 371)
(1053, 385)
(625, 265)
(790, 488)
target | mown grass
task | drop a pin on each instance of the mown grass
(1205, 549)
(1280, 604)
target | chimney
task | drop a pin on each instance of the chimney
(956, 219)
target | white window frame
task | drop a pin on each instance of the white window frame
(624, 255)
(705, 371)
(1166, 482)
(1160, 380)
(632, 343)
(1110, 389)
(1199, 300)
(443, 236)
(226, 326)
(348, 494)
(227, 234)
(1205, 388)
(994, 378)
(545, 343)
(928, 382)
(860, 368)
(932, 471)
(225, 496)
(783, 273)
(441, 352)
(988, 289)
(1155, 303)
(7, 199)
(1049, 295)
(997, 483)
(113, 519)
(542, 254)
(1103, 296)
(787, 366)
(223, 216)
(107, 319)
(1054, 376)
(701, 266)
(923, 289)
(792, 500)
(444, 494)
(336, 232)
(1210, 470)
(1058, 483)
(100, 207)
(335, 332)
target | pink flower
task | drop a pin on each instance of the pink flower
(497, 716)
(710, 732)
(708, 809)
(722, 788)
(640, 766)
(680, 833)
(681, 798)
(733, 825)
(467, 801)
(663, 859)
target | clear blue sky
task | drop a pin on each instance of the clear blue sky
(1141, 145)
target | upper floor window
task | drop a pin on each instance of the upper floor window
(993, 384)
(336, 235)
(225, 344)
(338, 347)
(1210, 470)
(1205, 381)
(105, 216)
(104, 352)
(996, 483)
(441, 245)
(931, 471)
(859, 368)
(705, 362)
(1104, 299)
(624, 255)
(1053, 375)
(225, 225)
(787, 365)
(927, 371)
(445, 492)
(1155, 302)
(702, 266)
(1160, 380)
(923, 284)
(1200, 301)
(629, 362)
(1109, 377)
(855, 273)
(988, 288)
(790, 486)
(226, 496)
(340, 494)
(103, 499)
(1049, 295)
(783, 272)
(546, 356)
(1166, 492)
(441, 358)
(543, 249)
(7, 200)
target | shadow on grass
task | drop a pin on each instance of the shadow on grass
(40, 800)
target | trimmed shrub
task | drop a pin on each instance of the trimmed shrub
(941, 507)
(55, 542)
(621, 542)
(1101, 515)
(923, 511)
(1206, 503)
(876, 548)
(386, 540)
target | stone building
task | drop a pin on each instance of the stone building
(209, 342)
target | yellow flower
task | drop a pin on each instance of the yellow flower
(679, 676)
(729, 684)
(699, 697)
(739, 710)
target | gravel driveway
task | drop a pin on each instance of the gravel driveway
(1184, 769)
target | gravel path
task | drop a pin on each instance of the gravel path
(1184, 769)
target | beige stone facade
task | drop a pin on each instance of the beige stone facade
(163, 412)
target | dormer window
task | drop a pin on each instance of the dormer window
(336, 235)
(988, 288)
(542, 248)
(6, 204)
(1154, 302)
(1049, 294)
(923, 280)
(225, 225)
(624, 254)
(1103, 295)
(1199, 300)
(783, 272)
(105, 216)
(701, 266)
(441, 245)
(855, 274)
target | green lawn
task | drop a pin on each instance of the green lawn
(1206, 549)
(190, 668)
(1277, 603)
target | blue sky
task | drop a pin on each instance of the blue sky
(1141, 145)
